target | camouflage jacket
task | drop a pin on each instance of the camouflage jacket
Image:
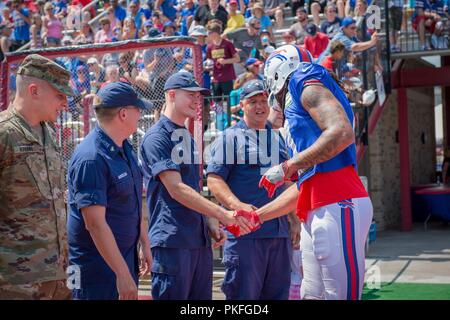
(33, 237)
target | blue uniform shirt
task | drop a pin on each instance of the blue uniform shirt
(302, 131)
(172, 224)
(246, 169)
(101, 173)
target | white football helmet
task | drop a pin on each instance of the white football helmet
(282, 63)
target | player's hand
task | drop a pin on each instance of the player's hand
(276, 177)
(216, 233)
(247, 221)
(126, 287)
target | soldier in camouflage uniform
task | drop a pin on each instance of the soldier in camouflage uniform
(33, 238)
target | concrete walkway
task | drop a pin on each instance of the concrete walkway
(411, 257)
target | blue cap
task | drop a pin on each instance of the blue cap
(347, 21)
(186, 81)
(252, 88)
(119, 94)
(251, 61)
(154, 32)
(168, 24)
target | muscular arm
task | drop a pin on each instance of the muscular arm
(281, 206)
(192, 199)
(337, 132)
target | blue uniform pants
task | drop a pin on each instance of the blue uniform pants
(257, 269)
(182, 274)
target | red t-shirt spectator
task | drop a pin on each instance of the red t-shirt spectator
(317, 44)
(327, 63)
(225, 50)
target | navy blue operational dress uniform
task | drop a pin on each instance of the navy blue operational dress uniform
(180, 243)
(257, 265)
(104, 174)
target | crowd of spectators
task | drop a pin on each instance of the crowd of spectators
(236, 37)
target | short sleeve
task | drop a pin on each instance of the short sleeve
(231, 48)
(89, 182)
(157, 154)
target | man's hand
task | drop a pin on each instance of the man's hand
(145, 260)
(216, 232)
(126, 287)
(245, 220)
(275, 177)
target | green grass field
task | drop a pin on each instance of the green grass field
(408, 291)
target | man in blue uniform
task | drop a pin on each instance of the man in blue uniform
(179, 216)
(257, 265)
(105, 197)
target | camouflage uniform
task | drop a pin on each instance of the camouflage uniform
(33, 238)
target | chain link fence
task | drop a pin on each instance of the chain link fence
(145, 64)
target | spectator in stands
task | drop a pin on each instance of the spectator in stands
(236, 20)
(97, 73)
(169, 29)
(86, 35)
(112, 75)
(253, 65)
(6, 15)
(331, 61)
(119, 12)
(21, 18)
(135, 13)
(59, 8)
(157, 21)
(315, 42)
(127, 66)
(264, 20)
(167, 8)
(316, 7)
(438, 39)
(395, 23)
(36, 31)
(74, 16)
(332, 23)
(274, 9)
(52, 27)
(5, 42)
(289, 37)
(129, 31)
(211, 11)
(299, 27)
(295, 4)
(105, 34)
(347, 36)
(247, 41)
(423, 21)
(187, 16)
(361, 16)
(266, 40)
(223, 54)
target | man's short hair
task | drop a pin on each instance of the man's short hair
(105, 114)
(214, 27)
(336, 46)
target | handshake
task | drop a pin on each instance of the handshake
(245, 220)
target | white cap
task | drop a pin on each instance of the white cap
(92, 60)
(269, 49)
(198, 31)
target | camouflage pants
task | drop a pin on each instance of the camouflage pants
(50, 290)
